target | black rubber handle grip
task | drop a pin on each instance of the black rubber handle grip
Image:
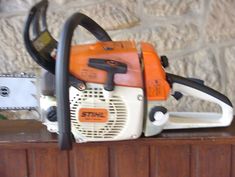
(40, 15)
(36, 25)
(36, 13)
(62, 72)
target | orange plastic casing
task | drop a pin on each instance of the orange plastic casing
(156, 85)
(125, 52)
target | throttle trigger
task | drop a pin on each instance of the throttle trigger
(177, 95)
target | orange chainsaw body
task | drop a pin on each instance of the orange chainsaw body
(151, 76)
(124, 52)
(156, 85)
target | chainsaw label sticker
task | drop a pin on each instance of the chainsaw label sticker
(88, 74)
(93, 115)
(153, 89)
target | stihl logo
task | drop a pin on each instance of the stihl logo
(93, 115)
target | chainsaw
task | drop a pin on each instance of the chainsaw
(108, 91)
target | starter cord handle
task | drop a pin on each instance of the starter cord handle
(62, 72)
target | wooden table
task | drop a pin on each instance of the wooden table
(27, 149)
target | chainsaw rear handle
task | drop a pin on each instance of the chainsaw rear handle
(191, 88)
(62, 72)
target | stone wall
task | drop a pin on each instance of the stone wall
(198, 36)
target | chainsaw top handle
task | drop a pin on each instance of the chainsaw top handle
(41, 45)
(62, 72)
(41, 9)
(43, 58)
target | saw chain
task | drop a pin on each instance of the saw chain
(18, 92)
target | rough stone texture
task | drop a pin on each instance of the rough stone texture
(221, 20)
(164, 38)
(14, 57)
(15, 5)
(111, 16)
(24, 5)
(169, 8)
(13, 54)
(198, 36)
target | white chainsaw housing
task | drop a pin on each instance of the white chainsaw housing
(125, 113)
(187, 120)
(153, 128)
(184, 120)
(45, 103)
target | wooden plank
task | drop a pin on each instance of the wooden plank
(13, 163)
(211, 160)
(129, 160)
(48, 162)
(169, 161)
(26, 133)
(233, 161)
(89, 161)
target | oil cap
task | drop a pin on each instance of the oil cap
(158, 115)
(51, 114)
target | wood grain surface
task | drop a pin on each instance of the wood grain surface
(27, 149)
